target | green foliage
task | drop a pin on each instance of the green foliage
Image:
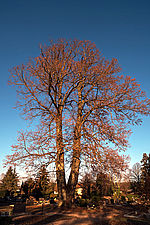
(140, 178)
(116, 192)
(130, 197)
(40, 187)
(46, 188)
(43, 182)
(123, 198)
(94, 190)
(95, 199)
(83, 202)
(9, 185)
(88, 186)
(27, 187)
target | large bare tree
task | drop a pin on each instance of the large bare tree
(83, 108)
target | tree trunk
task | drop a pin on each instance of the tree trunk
(73, 178)
(60, 171)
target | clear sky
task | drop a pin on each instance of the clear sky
(119, 29)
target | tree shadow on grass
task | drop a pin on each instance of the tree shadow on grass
(88, 220)
(106, 216)
(40, 219)
(51, 219)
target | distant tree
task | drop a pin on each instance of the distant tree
(88, 185)
(84, 108)
(38, 187)
(96, 186)
(36, 191)
(104, 184)
(43, 182)
(145, 175)
(9, 183)
(27, 187)
(135, 178)
(136, 172)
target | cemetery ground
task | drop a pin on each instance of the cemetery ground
(111, 214)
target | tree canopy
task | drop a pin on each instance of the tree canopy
(83, 107)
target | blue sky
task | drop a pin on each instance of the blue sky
(119, 29)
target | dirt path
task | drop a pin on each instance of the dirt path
(107, 216)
